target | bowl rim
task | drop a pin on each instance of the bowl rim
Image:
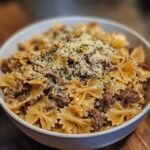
(145, 110)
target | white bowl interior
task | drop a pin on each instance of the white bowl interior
(11, 46)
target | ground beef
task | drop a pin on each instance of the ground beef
(50, 106)
(61, 100)
(54, 77)
(107, 102)
(105, 64)
(98, 104)
(87, 58)
(21, 91)
(34, 101)
(146, 84)
(128, 96)
(97, 120)
(4, 66)
(71, 62)
(48, 89)
(23, 109)
(22, 97)
(59, 96)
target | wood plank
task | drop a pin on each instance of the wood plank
(12, 18)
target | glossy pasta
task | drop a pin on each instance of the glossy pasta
(75, 79)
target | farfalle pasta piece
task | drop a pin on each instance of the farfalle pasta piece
(36, 91)
(72, 120)
(120, 56)
(94, 29)
(19, 76)
(27, 71)
(58, 129)
(114, 86)
(79, 91)
(16, 104)
(127, 71)
(20, 55)
(116, 40)
(138, 55)
(116, 59)
(60, 61)
(88, 103)
(117, 113)
(37, 81)
(36, 113)
(7, 80)
(123, 52)
(143, 74)
(79, 29)
(15, 108)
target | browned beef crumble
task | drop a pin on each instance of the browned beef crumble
(62, 100)
(34, 101)
(54, 77)
(22, 90)
(87, 58)
(107, 102)
(105, 64)
(50, 106)
(23, 109)
(146, 84)
(60, 97)
(71, 62)
(98, 104)
(4, 66)
(48, 89)
(22, 96)
(128, 96)
(89, 61)
(8, 64)
(104, 104)
(96, 118)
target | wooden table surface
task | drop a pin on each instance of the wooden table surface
(11, 138)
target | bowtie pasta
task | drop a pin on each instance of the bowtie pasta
(75, 79)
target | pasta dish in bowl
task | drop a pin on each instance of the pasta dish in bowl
(75, 79)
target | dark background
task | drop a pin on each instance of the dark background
(15, 14)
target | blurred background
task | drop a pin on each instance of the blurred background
(15, 14)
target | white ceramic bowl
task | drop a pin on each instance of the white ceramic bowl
(74, 141)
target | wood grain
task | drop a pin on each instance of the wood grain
(12, 18)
